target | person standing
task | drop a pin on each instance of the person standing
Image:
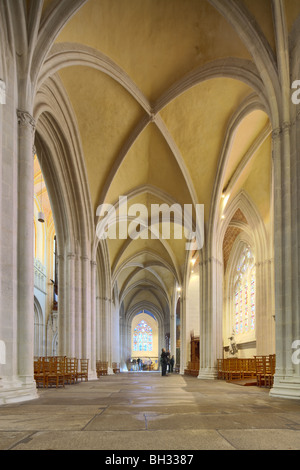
(172, 361)
(163, 361)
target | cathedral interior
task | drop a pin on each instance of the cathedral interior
(149, 160)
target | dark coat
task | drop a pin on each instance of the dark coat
(164, 357)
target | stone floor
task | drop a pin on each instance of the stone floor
(144, 411)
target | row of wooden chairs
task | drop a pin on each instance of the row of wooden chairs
(236, 368)
(192, 368)
(59, 370)
(262, 368)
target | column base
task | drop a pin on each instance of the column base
(207, 374)
(286, 388)
(93, 375)
(15, 391)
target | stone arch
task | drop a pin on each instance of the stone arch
(63, 168)
(247, 228)
(252, 36)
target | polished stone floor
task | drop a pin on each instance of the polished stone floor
(144, 411)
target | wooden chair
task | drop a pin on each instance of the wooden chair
(246, 367)
(54, 374)
(39, 373)
(273, 367)
(259, 368)
(234, 370)
(84, 370)
(269, 370)
(251, 366)
(116, 367)
(71, 366)
(102, 368)
(220, 367)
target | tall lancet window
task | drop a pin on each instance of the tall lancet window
(142, 337)
(244, 293)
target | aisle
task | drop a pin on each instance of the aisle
(146, 411)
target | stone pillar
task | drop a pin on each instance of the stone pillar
(26, 127)
(78, 310)
(109, 333)
(286, 244)
(173, 330)
(124, 353)
(92, 361)
(105, 330)
(70, 304)
(62, 326)
(210, 275)
(183, 345)
(86, 304)
(98, 329)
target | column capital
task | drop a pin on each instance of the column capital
(26, 120)
(106, 299)
(276, 133)
(210, 260)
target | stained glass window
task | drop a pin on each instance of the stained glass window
(244, 293)
(142, 337)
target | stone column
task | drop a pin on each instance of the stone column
(124, 354)
(62, 326)
(105, 329)
(173, 331)
(183, 345)
(98, 328)
(210, 275)
(86, 304)
(70, 304)
(109, 333)
(26, 128)
(92, 361)
(286, 243)
(78, 310)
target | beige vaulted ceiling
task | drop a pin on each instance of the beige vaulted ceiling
(148, 130)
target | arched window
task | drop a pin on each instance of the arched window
(244, 293)
(142, 337)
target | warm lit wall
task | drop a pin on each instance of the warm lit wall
(192, 309)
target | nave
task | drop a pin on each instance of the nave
(145, 411)
(150, 179)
